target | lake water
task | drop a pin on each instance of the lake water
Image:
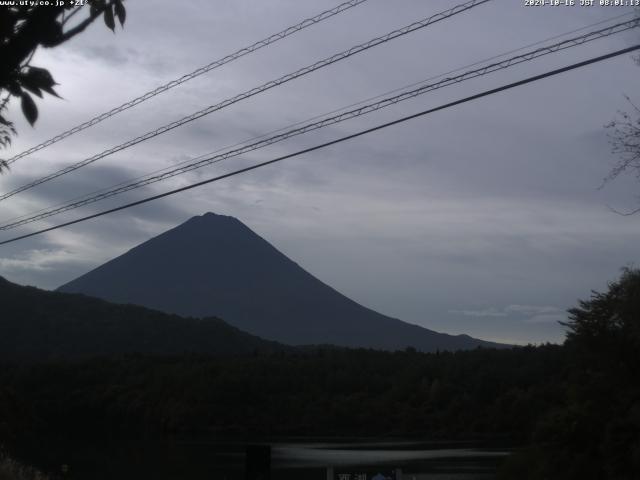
(291, 460)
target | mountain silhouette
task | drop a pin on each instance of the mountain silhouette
(41, 325)
(214, 265)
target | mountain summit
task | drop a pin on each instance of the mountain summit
(214, 265)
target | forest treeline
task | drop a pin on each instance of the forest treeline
(324, 392)
(38, 325)
(573, 409)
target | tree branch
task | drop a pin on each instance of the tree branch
(70, 16)
(624, 214)
(82, 25)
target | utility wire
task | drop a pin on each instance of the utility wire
(363, 110)
(315, 117)
(254, 91)
(199, 71)
(322, 115)
(486, 93)
(282, 129)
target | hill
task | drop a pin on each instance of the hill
(215, 265)
(41, 325)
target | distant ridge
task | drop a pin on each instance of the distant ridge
(40, 325)
(214, 265)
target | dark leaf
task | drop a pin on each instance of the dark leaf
(51, 91)
(121, 13)
(96, 7)
(15, 89)
(29, 108)
(50, 34)
(33, 89)
(108, 19)
(43, 80)
(36, 79)
(41, 76)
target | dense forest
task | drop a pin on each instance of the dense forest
(325, 392)
(574, 410)
(38, 325)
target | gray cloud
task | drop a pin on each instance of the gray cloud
(534, 314)
(114, 56)
(547, 318)
(487, 312)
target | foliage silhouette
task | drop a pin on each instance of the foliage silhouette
(594, 433)
(26, 26)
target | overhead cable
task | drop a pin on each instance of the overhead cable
(196, 73)
(486, 93)
(254, 91)
(363, 110)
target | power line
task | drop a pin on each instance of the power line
(199, 71)
(254, 91)
(336, 141)
(366, 109)
(315, 117)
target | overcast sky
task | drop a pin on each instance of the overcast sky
(483, 219)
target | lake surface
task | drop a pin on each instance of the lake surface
(291, 460)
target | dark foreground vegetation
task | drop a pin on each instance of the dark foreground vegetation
(574, 409)
(40, 326)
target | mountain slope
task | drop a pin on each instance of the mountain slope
(215, 265)
(38, 325)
